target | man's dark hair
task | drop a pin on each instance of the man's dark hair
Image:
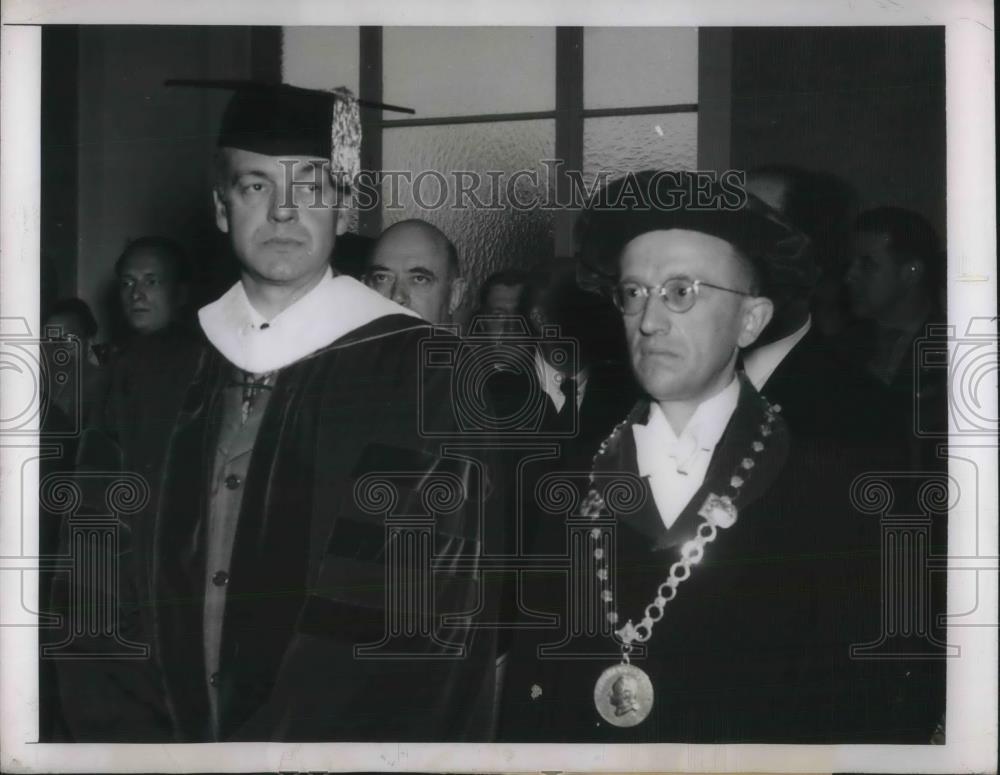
(78, 308)
(506, 277)
(586, 317)
(166, 248)
(911, 238)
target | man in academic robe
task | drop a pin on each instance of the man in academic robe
(715, 574)
(308, 552)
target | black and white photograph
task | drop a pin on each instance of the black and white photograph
(429, 389)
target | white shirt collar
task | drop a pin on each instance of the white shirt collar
(334, 307)
(761, 363)
(550, 378)
(677, 465)
(706, 425)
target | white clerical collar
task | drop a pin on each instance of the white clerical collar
(334, 307)
(676, 465)
(706, 425)
(761, 363)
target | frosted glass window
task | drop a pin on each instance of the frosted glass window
(321, 57)
(621, 144)
(452, 71)
(624, 66)
(487, 239)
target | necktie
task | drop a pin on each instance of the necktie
(566, 416)
(667, 463)
(568, 388)
(252, 385)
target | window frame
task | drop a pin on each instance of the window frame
(713, 109)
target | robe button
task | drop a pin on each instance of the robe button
(233, 481)
(213, 679)
(220, 578)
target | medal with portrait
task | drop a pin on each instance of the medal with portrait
(623, 695)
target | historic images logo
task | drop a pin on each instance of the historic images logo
(546, 187)
(39, 368)
(83, 515)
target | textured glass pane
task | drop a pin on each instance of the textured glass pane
(631, 143)
(320, 57)
(625, 66)
(451, 71)
(487, 240)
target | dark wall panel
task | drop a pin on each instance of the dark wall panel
(59, 126)
(867, 104)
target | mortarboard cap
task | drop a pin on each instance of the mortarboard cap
(284, 120)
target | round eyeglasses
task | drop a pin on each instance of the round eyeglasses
(678, 294)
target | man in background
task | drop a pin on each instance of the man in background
(154, 283)
(416, 265)
(896, 285)
(501, 301)
(595, 390)
(793, 362)
(896, 281)
(73, 321)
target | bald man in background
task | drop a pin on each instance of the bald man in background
(416, 266)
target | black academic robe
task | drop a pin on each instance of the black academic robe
(754, 648)
(316, 646)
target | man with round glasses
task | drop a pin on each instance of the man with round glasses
(688, 303)
(733, 580)
(688, 290)
(679, 294)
